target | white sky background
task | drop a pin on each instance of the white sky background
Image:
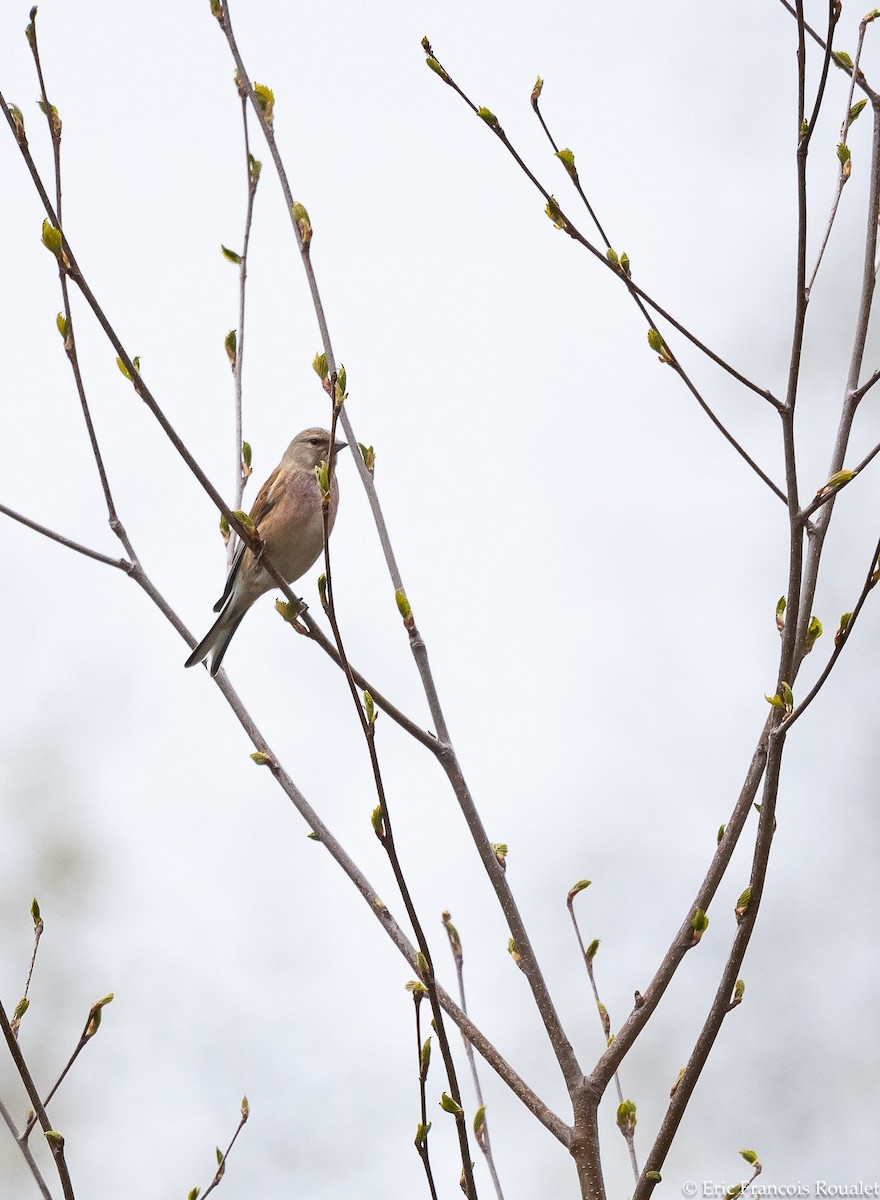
(594, 570)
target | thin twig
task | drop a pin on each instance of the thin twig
(481, 1132)
(55, 1141)
(566, 225)
(559, 1040)
(383, 827)
(25, 1149)
(840, 641)
(636, 293)
(423, 1058)
(587, 956)
(721, 1004)
(223, 1155)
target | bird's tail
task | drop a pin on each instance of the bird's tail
(215, 641)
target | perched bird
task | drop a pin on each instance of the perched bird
(287, 514)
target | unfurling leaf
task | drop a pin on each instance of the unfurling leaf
(856, 110)
(566, 157)
(244, 519)
(842, 59)
(536, 91)
(486, 114)
(319, 366)
(699, 924)
(51, 239)
(436, 68)
(229, 255)
(814, 632)
(554, 212)
(626, 1117)
(842, 628)
(404, 607)
(580, 886)
(449, 1105)
(265, 99)
(303, 223)
(742, 905)
(780, 614)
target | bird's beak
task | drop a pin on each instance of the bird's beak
(337, 446)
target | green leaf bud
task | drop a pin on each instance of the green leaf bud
(265, 99)
(449, 1105)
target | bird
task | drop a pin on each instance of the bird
(287, 515)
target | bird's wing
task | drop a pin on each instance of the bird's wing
(267, 497)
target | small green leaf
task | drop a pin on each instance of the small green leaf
(836, 480)
(721, 829)
(479, 1119)
(265, 98)
(403, 605)
(739, 990)
(554, 212)
(18, 121)
(580, 886)
(449, 1105)
(842, 59)
(592, 950)
(626, 1116)
(436, 68)
(303, 223)
(536, 91)
(230, 345)
(814, 632)
(368, 454)
(35, 911)
(319, 366)
(421, 1135)
(699, 924)
(566, 157)
(856, 110)
(322, 474)
(262, 760)
(742, 905)
(246, 455)
(244, 519)
(842, 628)
(61, 325)
(425, 1058)
(229, 255)
(51, 239)
(655, 341)
(780, 613)
(370, 708)
(486, 114)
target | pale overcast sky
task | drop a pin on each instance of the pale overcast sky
(594, 571)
